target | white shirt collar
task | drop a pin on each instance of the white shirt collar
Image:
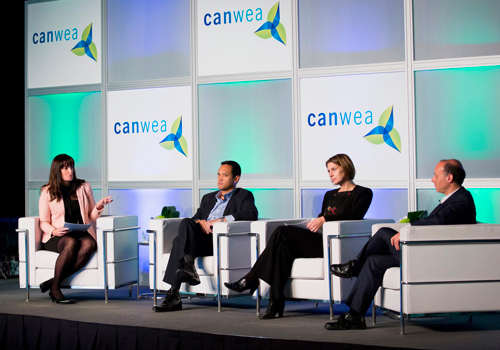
(448, 196)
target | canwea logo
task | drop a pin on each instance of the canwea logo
(175, 138)
(273, 28)
(385, 131)
(86, 46)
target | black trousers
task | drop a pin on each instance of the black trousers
(286, 244)
(375, 258)
(190, 240)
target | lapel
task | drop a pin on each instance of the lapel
(209, 204)
(230, 203)
(448, 201)
(60, 206)
(80, 196)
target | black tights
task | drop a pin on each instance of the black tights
(74, 253)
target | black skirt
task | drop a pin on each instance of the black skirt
(52, 243)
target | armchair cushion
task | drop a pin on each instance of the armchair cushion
(309, 277)
(121, 255)
(47, 260)
(391, 279)
(308, 269)
(235, 255)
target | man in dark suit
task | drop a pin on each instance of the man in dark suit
(194, 238)
(381, 252)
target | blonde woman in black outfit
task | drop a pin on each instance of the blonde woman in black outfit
(287, 243)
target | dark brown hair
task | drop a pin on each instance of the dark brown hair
(54, 185)
(344, 161)
(455, 168)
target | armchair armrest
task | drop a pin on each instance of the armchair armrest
(450, 232)
(30, 233)
(165, 230)
(395, 226)
(265, 229)
(235, 252)
(121, 236)
(360, 230)
(450, 253)
(232, 227)
(355, 227)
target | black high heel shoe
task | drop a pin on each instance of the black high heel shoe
(45, 286)
(62, 300)
(274, 307)
(243, 284)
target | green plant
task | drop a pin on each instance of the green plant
(168, 212)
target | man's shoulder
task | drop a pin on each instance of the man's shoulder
(209, 195)
(461, 194)
(237, 192)
(242, 192)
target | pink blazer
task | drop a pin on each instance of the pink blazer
(52, 212)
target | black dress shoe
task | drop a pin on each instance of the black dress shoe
(274, 307)
(172, 302)
(242, 285)
(347, 321)
(343, 270)
(188, 274)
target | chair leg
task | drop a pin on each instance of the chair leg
(374, 313)
(130, 290)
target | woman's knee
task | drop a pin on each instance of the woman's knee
(88, 245)
(279, 232)
(68, 243)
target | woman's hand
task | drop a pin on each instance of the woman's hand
(60, 231)
(100, 205)
(315, 224)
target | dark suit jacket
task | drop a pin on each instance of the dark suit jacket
(456, 210)
(241, 206)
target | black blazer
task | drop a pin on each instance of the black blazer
(456, 210)
(241, 206)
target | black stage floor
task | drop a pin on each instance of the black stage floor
(237, 326)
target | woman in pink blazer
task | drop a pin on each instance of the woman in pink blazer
(65, 198)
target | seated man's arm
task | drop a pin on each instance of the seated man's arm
(246, 208)
(455, 213)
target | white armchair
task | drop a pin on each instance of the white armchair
(310, 279)
(234, 257)
(444, 269)
(116, 245)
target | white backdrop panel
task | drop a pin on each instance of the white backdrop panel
(337, 112)
(227, 43)
(138, 122)
(54, 29)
